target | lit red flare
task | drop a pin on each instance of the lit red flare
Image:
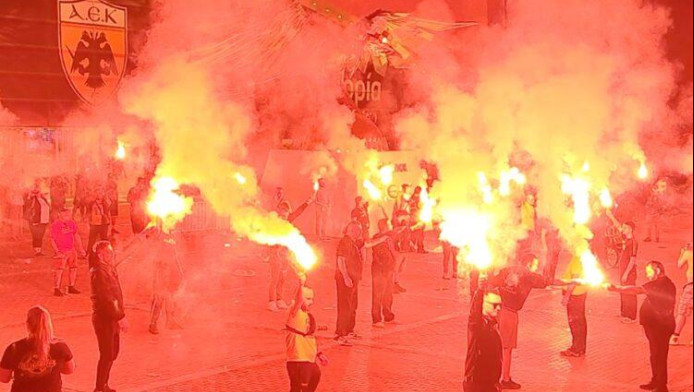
(167, 205)
(303, 253)
(240, 178)
(579, 190)
(643, 172)
(372, 190)
(606, 199)
(469, 231)
(120, 151)
(592, 273)
(426, 215)
(513, 175)
(386, 174)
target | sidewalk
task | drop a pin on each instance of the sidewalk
(231, 343)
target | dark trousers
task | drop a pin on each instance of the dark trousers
(108, 335)
(403, 241)
(418, 239)
(659, 344)
(576, 310)
(347, 302)
(163, 301)
(38, 231)
(469, 386)
(629, 302)
(382, 298)
(303, 376)
(450, 259)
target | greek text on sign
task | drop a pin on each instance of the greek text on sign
(93, 47)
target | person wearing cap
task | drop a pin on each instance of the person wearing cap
(303, 357)
(67, 244)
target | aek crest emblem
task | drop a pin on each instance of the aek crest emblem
(93, 47)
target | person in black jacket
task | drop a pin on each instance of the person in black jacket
(484, 350)
(658, 320)
(108, 313)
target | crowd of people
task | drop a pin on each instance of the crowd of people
(498, 296)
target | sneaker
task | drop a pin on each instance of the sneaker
(73, 290)
(397, 289)
(58, 293)
(106, 389)
(510, 384)
(648, 387)
(446, 277)
(569, 354)
(343, 341)
(380, 324)
(674, 340)
(153, 329)
(272, 306)
(354, 335)
(282, 305)
(627, 320)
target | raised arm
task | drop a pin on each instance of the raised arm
(631, 290)
(300, 210)
(614, 220)
(476, 315)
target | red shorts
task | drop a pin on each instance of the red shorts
(66, 260)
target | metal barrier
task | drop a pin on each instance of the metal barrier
(203, 218)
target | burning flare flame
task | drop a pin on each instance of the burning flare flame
(643, 172)
(592, 274)
(469, 230)
(120, 151)
(372, 189)
(579, 190)
(304, 255)
(164, 203)
(606, 199)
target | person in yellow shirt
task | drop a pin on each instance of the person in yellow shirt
(575, 301)
(302, 349)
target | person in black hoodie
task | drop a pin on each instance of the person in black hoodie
(108, 313)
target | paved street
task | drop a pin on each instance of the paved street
(231, 343)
